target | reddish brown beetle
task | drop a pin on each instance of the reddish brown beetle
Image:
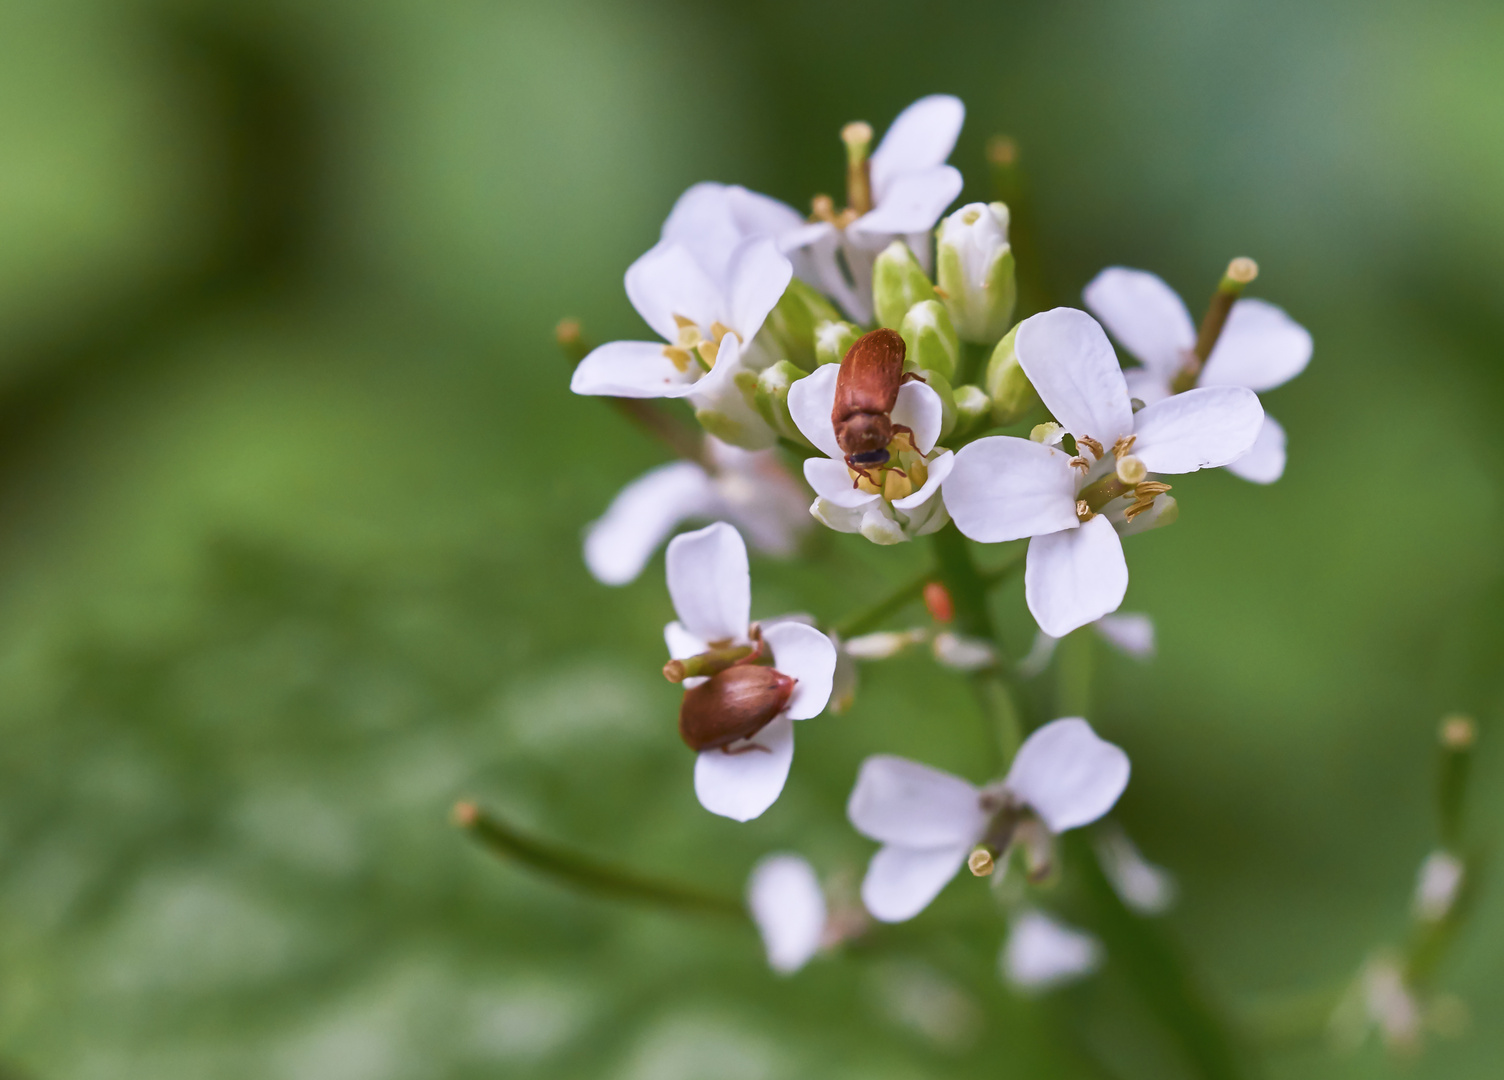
(866, 391)
(735, 704)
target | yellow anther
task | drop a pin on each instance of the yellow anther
(919, 473)
(707, 351)
(863, 481)
(679, 357)
(897, 486)
(822, 208)
(1081, 463)
(1083, 511)
(682, 322)
(1123, 445)
(980, 862)
(1092, 445)
(1132, 470)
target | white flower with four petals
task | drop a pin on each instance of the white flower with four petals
(928, 821)
(1005, 488)
(1260, 347)
(711, 587)
(896, 514)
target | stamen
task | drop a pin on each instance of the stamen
(1123, 446)
(1145, 494)
(1084, 513)
(858, 139)
(680, 358)
(897, 486)
(862, 482)
(1091, 444)
(1081, 463)
(980, 862)
(822, 208)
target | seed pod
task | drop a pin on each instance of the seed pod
(735, 704)
(866, 391)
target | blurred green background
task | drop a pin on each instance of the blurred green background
(291, 491)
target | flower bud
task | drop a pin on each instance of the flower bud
(898, 283)
(772, 398)
(963, 653)
(1013, 396)
(793, 320)
(832, 339)
(884, 644)
(974, 268)
(972, 407)
(930, 340)
(938, 602)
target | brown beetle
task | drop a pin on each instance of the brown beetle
(735, 704)
(866, 391)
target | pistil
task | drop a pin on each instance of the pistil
(1240, 272)
(711, 662)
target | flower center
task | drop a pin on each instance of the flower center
(1130, 476)
(904, 473)
(692, 346)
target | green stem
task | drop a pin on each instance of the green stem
(1075, 665)
(874, 615)
(585, 873)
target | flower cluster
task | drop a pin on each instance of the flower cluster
(873, 344)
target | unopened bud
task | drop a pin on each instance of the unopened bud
(930, 339)
(793, 321)
(772, 398)
(898, 283)
(937, 600)
(833, 339)
(1458, 732)
(963, 653)
(1013, 396)
(980, 862)
(1437, 886)
(1132, 470)
(974, 269)
(972, 407)
(1048, 433)
(883, 645)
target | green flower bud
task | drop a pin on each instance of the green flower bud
(898, 284)
(793, 320)
(1012, 394)
(772, 398)
(974, 268)
(930, 339)
(973, 406)
(941, 385)
(832, 339)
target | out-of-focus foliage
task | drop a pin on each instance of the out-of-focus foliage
(292, 488)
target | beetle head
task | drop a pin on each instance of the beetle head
(864, 434)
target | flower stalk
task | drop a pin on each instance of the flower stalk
(1240, 273)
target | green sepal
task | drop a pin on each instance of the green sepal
(973, 406)
(794, 319)
(898, 284)
(930, 339)
(771, 397)
(832, 339)
(1013, 396)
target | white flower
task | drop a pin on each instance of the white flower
(708, 315)
(1042, 953)
(1260, 347)
(788, 907)
(911, 187)
(928, 821)
(1437, 886)
(748, 488)
(1146, 888)
(1005, 488)
(907, 505)
(711, 587)
(1131, 633)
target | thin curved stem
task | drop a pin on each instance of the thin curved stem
(586, 873)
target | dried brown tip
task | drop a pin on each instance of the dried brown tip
(980, 862)
(568, 332)
(1458, 732)
(673, 671)
(465, 813)
(1242, 270)
(1002, 150)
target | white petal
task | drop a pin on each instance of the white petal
(922, 135)
(741, 786)
(1146, 888)
(1145, 315)
(901, 882)
(1067, 775)
(832, 482)
(811, 400)
(963, 653)
(840, 518)
(667, 281)
(702, 223)
(940, 469)
(918, 408)
(1261, 347)
(681, 643)
(1198, 429)
(717, 391)
(1132, 632)
(805, 654)
(710, 583)
(631, 369)
(879, 524)
(758, 274)
(621, 541)
(788, 906)
(1042, 953)
(1069, 360)
(760, 215)
(897, 801)
(1265, 461)
(1075, 576)
(912, 203)
(1003, 488)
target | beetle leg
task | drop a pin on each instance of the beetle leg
(911, 376)
(854, 467)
